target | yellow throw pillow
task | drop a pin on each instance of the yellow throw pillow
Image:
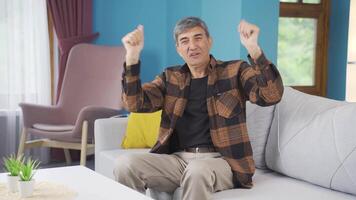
(142, 130)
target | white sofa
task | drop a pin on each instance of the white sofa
(304, 148)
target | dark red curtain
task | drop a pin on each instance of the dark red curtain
(72, 21)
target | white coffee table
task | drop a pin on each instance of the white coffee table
(87, 183)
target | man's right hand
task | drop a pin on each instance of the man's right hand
(133, 43)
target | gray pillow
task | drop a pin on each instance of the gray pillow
(258, 120)
(314, 139)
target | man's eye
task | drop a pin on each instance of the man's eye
(184, 42)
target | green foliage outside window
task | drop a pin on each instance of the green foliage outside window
(296, 50)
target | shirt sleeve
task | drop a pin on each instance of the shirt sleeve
(148, 97)
(261, 81)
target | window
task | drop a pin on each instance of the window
(302, 44)
(24, 65)
(24, 54)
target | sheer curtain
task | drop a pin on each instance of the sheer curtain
(24, 67)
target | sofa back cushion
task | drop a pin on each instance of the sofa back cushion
(258, 121)
(314, 139)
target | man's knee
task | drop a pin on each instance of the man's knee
(125, 164)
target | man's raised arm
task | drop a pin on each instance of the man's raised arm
(261, 80)
(150, 96)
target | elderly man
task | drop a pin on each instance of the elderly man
(203, 144)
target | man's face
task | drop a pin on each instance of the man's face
(193, 46)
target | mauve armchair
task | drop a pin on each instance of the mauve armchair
(91, 90)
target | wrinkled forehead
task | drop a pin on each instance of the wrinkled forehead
(191, 32)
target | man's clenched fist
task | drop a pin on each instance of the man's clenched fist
(249, 38)
(133, 43)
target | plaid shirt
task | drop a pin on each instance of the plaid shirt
(230, 85)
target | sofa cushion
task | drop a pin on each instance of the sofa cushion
(258, 120)
(314, 139)
(267, 185)
(274, 186)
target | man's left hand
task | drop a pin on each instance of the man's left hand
(249, 38)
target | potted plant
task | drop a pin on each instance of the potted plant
(26, 183)
(13, 166)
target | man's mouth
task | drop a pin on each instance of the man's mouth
(194, 55)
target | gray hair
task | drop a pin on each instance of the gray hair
(188, 23)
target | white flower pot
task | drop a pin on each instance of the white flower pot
(12, 183)
(26, 188)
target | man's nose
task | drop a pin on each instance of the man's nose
(192, 45)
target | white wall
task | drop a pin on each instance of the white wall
(351, 66)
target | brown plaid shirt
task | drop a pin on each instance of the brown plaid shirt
(230, 85)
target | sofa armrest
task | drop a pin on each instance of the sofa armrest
(109, 133)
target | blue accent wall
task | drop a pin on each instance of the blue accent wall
(265, 15)
(113, 19)
(337, 53)
(222, 20)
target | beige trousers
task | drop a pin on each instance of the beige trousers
(199, 174)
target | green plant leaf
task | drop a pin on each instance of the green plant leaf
(28, 169)
(13, 165)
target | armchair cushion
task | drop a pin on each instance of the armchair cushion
(63, 136)
(142, 130)
(51, 127)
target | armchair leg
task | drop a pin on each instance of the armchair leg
(67, 156)
(22, 143)
(83, 151)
